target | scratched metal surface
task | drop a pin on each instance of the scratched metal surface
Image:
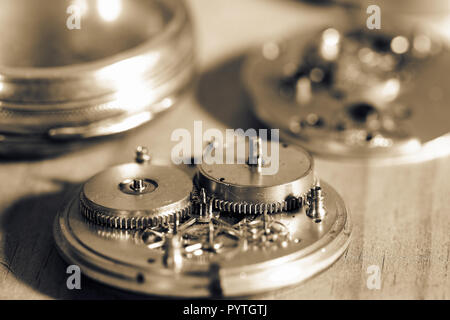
(401, 214)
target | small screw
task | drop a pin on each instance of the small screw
(255, 157)
(172, 257)
(138, 185)
(176, 223)
(316, 209)
(211, 230)
(142, 155)
(204, 214)
(203, 196)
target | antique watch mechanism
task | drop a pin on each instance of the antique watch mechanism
(377, 95)
(228, 231)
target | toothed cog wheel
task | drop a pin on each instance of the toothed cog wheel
(133, 196)
(241, 188)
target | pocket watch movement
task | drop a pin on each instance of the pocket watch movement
(377, 95)
(228, 231)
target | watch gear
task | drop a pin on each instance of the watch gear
(241, 188)
(263, 231)
(206, 235)
(131, 196)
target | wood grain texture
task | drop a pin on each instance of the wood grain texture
(400, 213)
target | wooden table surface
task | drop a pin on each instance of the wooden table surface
(400, 213)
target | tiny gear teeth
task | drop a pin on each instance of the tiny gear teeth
(289, 204)
(242, 188)
(136, 222)
(133, 196)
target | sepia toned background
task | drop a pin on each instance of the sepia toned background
(401, 214)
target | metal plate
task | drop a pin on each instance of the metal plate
(170, 186)
(111, 197)
(124, 259)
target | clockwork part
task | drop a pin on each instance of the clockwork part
(241, 188)
(133, 196)
(356, 94)
(210, 249)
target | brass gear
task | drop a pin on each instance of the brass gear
(259, 208)
(239, 188)
(133, 196)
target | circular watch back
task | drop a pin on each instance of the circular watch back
(120, 70)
